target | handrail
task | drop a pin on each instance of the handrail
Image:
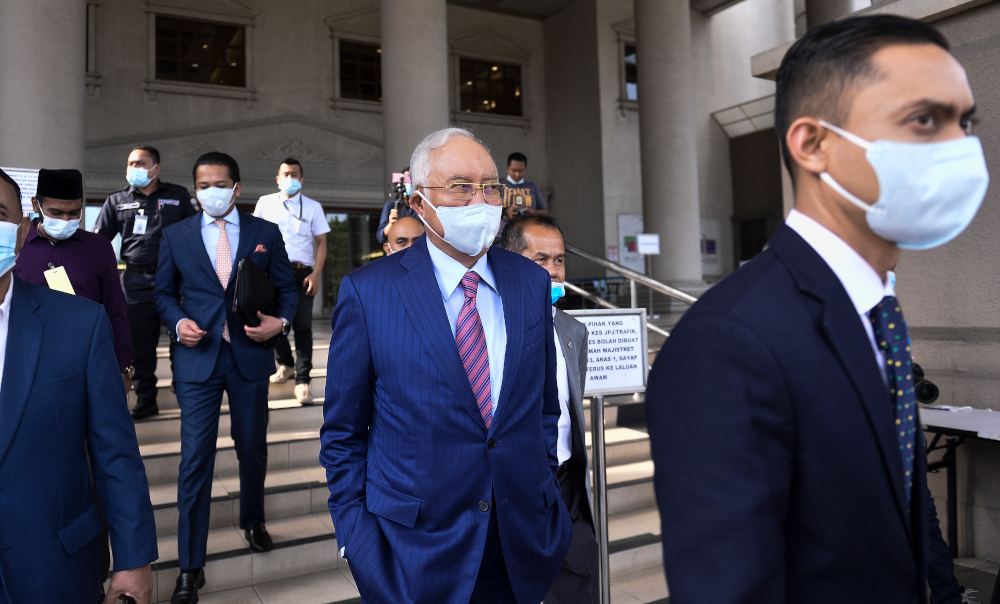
(633, 275)
(602, 302)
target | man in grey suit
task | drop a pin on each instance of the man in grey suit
(539, 238)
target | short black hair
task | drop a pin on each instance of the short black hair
(512, 237)
(819, 70)
(215, 158)
(291, 161)
(517, 156)
(151, 150)
(17, 188)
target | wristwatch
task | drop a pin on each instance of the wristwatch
(285, 326)
(129, 371)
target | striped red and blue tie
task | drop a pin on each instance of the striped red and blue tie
(471, 342)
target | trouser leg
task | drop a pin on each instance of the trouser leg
(248, 415)
(302, 325)
(200, 404)
(578, 581)
(144, 334)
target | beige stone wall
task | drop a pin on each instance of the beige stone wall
(292, 70)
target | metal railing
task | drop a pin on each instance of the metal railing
(597, 402)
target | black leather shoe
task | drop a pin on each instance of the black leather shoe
(258, 538)
(188, 584)
(144, 408)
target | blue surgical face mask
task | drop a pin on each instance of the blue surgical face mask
(469, 229)
(409, 188)
(928, 192)
(558, 291)
(59, 229)
(514, 182)
(215, 201)
(289, 186)
(8, 245)
(138, 177)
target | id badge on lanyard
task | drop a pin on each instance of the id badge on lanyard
(139, 226)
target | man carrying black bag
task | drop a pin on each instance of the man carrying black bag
(195, 289)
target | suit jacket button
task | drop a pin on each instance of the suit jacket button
(222, 323)
(491, 443)
(484, 506)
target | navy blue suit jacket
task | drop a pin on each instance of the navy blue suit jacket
(187, 287)
(406, 449)
(62, 397)
(778, 472)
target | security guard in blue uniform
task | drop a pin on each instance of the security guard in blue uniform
(139, 213)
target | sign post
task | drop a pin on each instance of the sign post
(617, 363)
(648, 244)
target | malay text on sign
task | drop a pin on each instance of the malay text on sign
(27, 180)
(617, 358)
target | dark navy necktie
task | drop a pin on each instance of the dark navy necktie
(892, 339)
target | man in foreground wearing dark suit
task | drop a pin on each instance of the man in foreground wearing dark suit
(538, 238)
(441, 452)
(64, 408)
(781, 411)
(195, 285)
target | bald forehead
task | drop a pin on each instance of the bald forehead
(406, 227)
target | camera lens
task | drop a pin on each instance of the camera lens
(925, 391)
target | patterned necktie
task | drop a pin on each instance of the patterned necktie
(892, 338)
(223, 266)
(471, 342)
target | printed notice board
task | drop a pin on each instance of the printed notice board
(617, 351)
(27, 179)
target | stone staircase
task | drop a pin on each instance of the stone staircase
(304, 565)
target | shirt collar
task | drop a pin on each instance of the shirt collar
(863, 285)
(5, 305)
(449, 272)
(232, 217)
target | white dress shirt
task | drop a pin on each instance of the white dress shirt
(564, 446)
(863, 285)
(300, 220)
(449, 273)
(4, 324)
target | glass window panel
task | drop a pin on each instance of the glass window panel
(348, 89)
(360, 71)
(208, 53)
(490, 87)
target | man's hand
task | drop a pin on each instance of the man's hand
(268, 328)
(189, 333)
(136, 583)
(128, 382)
(509, 212)
(312, 283)
(393, 217)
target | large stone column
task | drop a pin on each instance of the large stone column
(414, 75)
(42, 83)
(667, 138)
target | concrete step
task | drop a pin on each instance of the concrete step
(634, 541)
(335, 587)
(285, 415)
(630, 487)
(622, 446)
(303, 545)
(167, 400)
(320, 354)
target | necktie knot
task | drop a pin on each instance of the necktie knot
(470, 284)
(221, 223)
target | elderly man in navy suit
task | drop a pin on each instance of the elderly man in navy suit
(195, 286)
(441, 452)
(65, 420)
(784, 427)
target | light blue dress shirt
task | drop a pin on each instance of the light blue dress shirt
(210, 234)
(449, 273)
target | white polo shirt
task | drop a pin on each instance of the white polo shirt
(299, 219)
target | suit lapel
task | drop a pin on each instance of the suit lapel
(248, 234)
(421, 296)
(513, 316)
(843, 329)
(197, 245)
(24, 341)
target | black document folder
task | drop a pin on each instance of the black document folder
(254, 292)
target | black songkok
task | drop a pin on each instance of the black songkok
(60, 184)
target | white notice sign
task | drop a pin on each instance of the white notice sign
(649, 243)
(617, 355)
(27, 179)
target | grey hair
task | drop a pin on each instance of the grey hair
(420, 162)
